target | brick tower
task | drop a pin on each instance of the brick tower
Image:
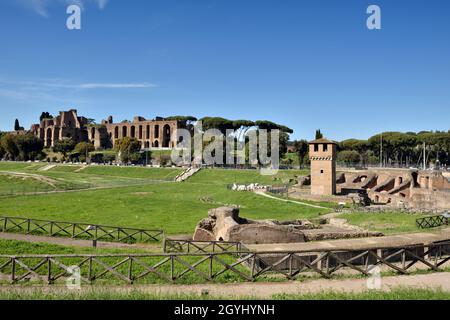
(322, 154)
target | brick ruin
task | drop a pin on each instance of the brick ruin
(415, 190)
(66, 125)
(157, 133)
(322, 155)
(409, 189)
(225, 224)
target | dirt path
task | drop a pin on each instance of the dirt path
(47, 168)
(264, 290)
(79, 243)
(262, 193)
(82, 168)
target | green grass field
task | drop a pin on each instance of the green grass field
(386, 222)
(70, 177)
(134, 197)
(148, 197)
(14, 247)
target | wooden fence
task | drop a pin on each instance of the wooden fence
(77, 230)
(432, 222)
(218, 266)
(190, 246)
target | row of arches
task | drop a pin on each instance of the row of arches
(52, 135)
(150, 133)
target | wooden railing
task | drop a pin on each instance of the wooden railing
(77, 230)
(191, 246)
(432, 222)
(218, 266)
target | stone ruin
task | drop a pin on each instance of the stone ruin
(249, 187)
(405, 189)
(225, 224)
(304, 180)
(387, 189)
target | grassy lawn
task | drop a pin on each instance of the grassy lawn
(14, 247)
(174, 207)
(135, 197)
(386, 222)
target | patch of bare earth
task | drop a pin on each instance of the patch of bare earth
(142, 193)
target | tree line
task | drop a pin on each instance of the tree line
(390, 149)
(20, 147)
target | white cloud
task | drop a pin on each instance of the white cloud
(38, 6)
(101, 3)
(57, 90)
(46, 85)
(41, 6)
(115, 85)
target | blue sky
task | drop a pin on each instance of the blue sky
(307, 64)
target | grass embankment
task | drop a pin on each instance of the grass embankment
(230, 176)
(72, 177)
(166, 174)
(13, 184)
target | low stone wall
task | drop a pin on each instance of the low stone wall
(424, 199)
(264, 234)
